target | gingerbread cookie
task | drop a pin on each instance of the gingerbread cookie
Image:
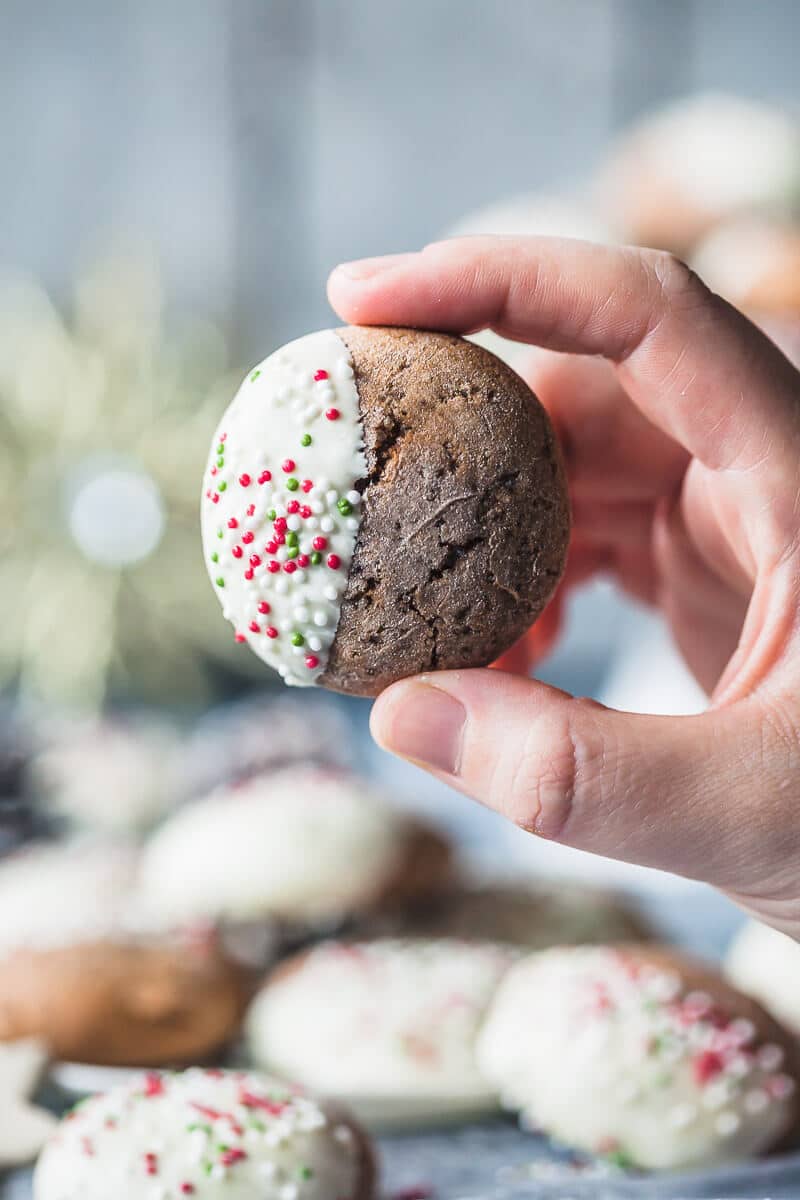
(382, 502)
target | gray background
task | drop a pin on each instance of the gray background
(258, 141)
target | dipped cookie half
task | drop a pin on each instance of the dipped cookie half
(382, 502)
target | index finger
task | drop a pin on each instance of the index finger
(691, 363)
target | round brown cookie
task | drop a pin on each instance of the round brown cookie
(122, 1003)
(465, 516)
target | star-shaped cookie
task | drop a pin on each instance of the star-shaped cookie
(24, 1128)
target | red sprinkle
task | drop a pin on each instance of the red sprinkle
(255, 627)
(215, 498)
(263, 607)
(333, 414)
(290, 567)
(312, 661)
(307, 485)
(211, 1114)
(87, 1147)
(320, 543)
(271, 631)
(279, 524)
(251, 509)
(250, 1100)
(153, 1084)
(288, 465)
(187, 1188)
(334, 562)
(237, 552)
(239, 637)
(234, 1155)
(280, 538)
(273, 565)
(271, 547)
(705, 1066)
(248, 538)
(249, 573)
(223, 437)
(302, 560)
(305, 512)
(213, 470)
(320, 375)
(255, 560)
(151, 1164)
(293, 506)
(245, 480)
(265, 477)
(233, 523)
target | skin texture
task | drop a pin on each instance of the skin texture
(681, 450)
(121, 1004)
(465, 518)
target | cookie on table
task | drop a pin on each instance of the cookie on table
(642, 1055)
(701, 160)
(388, 1026)
(121, 1003)
(765, 963)
(383, 502)
(205, 1134)
(58, 893)
(24, 1128)
(305, 847)
(531, 917)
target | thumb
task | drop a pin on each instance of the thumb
(668, 792)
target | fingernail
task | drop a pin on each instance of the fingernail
(422, 723)
(368, 268)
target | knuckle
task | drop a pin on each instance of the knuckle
(674, 282)
(561, 765)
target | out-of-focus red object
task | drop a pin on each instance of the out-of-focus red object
(536, 643)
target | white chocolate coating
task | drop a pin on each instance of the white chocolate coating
(202, 1134)
(280, 509)
(23, 1127)
(765, 963)
(612, 1056)
(389, 1026)
(305, 844)
(59, 894)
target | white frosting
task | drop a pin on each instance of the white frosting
(389, 1026)
(765, 963)
(56, 895)
(204, 1134)
(302, 844)
(612, 1056)
(23, 1127)
(281, 578)
(723, 153)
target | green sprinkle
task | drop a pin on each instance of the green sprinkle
(259, 1126)
(254, 376)
(305, 1172)
(305, 440)
(208, 1167)
(316, 558)
(195, 1125)
(221, 487)
(220, 534)
(222, 1148)
(220, 581)
(620, 1158)
(215, 557)
(291, 538)
(271, 515)
(344, 506)
(298, 639)
(221, 448)
(292, 484)
(220, 461)
(293, 552)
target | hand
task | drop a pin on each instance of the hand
(682, 440)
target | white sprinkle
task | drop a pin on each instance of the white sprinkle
(282, 553)
(330, 592)
(326, 524)
(715, 1095)
(727, 1123)
(314, 643)
(770, 1057)
(267, 1169)
(742, 1031)
(293, 523)
(301, 614)
(682, 1115)
(756, 1101)
(354, 497)
(352, 524)
(281, 585)
(320, 618)
(331, 496)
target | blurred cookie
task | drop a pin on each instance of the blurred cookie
(24, 1128)
(304, 847)
(389, 1026)
(521, 915)
(206, 1133)
(57, 893)
(765, 964)
(642, 1055)
(121, 1003)
(698, 161)
(362, 503)
(755, 264)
